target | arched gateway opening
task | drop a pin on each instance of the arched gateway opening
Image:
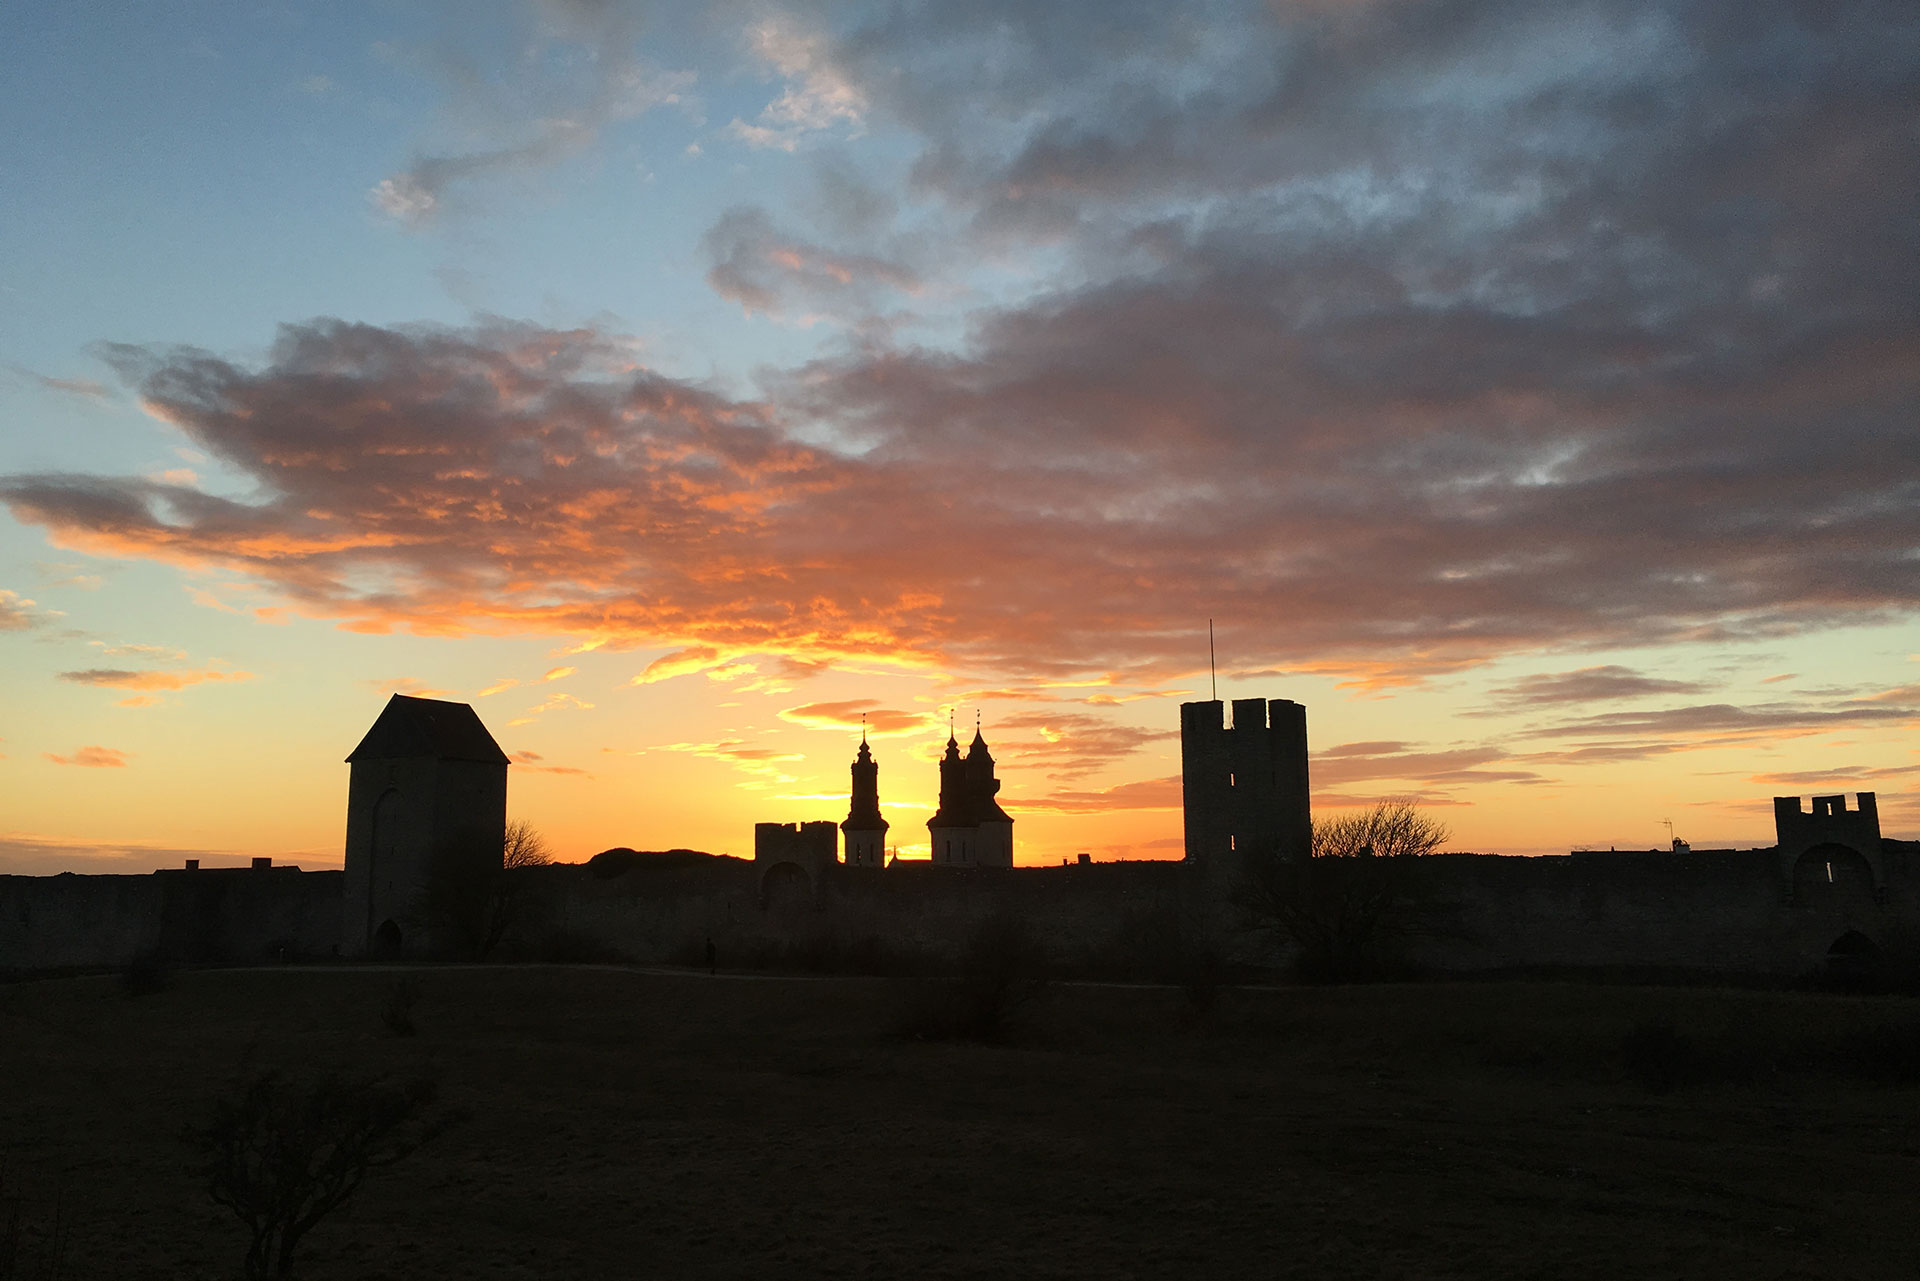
(785, 888)
(386, 940)
(1830, 873)
(1853, 957)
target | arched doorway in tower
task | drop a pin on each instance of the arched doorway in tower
(786, 891)
(386, 940)
(1853, 958)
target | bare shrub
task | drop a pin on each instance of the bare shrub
(1001, 970)
(1888, 1054)
(20, 1260)
(562, 946)
(146, 975)
(1659, 1057)
(283, 1155)
(1345, 905)
(1202, 975)
(396, 1014)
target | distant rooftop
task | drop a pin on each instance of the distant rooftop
(414, 728)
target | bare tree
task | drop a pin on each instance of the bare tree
(524, 847)
(283, 1156)
(1345, 904)
(514, 900)
(474, 902)
(1391, 829)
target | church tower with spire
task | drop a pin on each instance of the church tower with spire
(865, 832)
(970, 829)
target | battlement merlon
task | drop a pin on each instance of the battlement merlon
(1788, 809)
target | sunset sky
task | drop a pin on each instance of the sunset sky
(1529, 389)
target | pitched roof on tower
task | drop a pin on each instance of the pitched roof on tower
(414, 728)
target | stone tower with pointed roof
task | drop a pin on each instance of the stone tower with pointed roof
(426, 809)
(970, 829)
(865, 832)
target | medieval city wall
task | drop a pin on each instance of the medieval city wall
(908, 916)
(1725, 912)
(1728, 912)
(239, 915)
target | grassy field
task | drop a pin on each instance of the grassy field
(624, 1124)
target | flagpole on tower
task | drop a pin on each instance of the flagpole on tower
(1212, 676)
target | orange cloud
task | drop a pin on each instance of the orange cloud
(92, 758)
(1148, 794)
(682, 662)
(150, 679)
(854, 714)
(531, 760)
(551, 703)
(762, 762)
(1066, 501)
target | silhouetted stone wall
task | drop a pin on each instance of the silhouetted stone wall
(209, 916)
(1725, 912)
(1728, 911)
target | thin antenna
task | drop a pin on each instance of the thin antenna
(1212, 676)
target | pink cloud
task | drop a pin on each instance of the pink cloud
(150, 678)
(92, 758)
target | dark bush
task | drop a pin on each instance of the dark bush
(1886, 1054)
(571, 947)
(1659, 1057)
(1001, 970)
(396, 1013)
(146, 975)
(30, 1251)
(1202, 975)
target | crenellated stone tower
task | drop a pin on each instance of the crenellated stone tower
(865, 832)
(1244, 785)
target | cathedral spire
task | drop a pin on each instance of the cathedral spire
(865, 831)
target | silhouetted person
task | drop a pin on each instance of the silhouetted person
(713, 958)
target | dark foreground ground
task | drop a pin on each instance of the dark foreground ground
(646, 1125)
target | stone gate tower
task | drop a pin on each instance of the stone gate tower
(1244, 785)
(426, 806)
(865, 832)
